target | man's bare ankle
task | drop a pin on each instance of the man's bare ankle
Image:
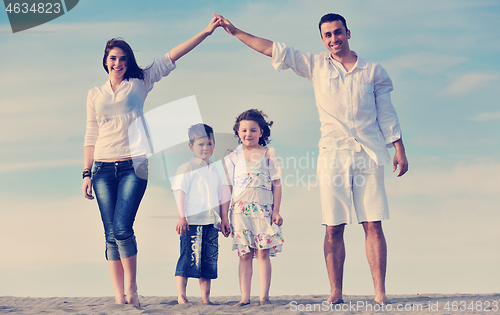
(335, 298)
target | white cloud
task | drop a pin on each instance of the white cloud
(450, 139)
(473, 178)
(470, 82)
(63, 231)
(15, 167)
(42, 228)
(426, 63)
(486, 116)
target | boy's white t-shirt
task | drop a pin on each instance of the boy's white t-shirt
(202, 185)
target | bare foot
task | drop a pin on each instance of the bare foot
(381, 302)
(335, 299)
(120, 299)
(133, 298)
(380, 298)
(265, 301)
(183, 300)
(242, 303)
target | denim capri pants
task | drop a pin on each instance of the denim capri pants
(119, 188)
(199, 252)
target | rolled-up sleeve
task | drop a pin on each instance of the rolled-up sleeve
(182, 179)
(92, 131)
(288, 58)
(160, 68)
(386, 113)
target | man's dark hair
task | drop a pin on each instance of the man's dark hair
(330, 17)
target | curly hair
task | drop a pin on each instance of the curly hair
(259, 117)
(133, 70)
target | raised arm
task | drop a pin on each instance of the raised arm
(177, 52)
(262, 45)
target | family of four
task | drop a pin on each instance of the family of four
(358, 124)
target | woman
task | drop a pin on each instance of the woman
(120, 165)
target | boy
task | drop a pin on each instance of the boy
(197, 188)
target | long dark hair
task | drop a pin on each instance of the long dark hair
(133, 70)
(259, 117)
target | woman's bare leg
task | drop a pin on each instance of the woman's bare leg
(117, 279)
(130, 271)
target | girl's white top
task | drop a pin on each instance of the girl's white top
(115, 122)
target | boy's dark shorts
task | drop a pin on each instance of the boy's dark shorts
(199, 252)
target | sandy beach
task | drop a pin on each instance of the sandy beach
(286, 304)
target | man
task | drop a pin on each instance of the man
(358, 121)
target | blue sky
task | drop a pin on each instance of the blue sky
(443, 60)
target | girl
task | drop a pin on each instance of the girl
(254, 175)
(120, 169)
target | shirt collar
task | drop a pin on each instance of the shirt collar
(199, 161)
(360, 62)
(107, 85)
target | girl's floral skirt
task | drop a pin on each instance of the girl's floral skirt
(251, 228)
